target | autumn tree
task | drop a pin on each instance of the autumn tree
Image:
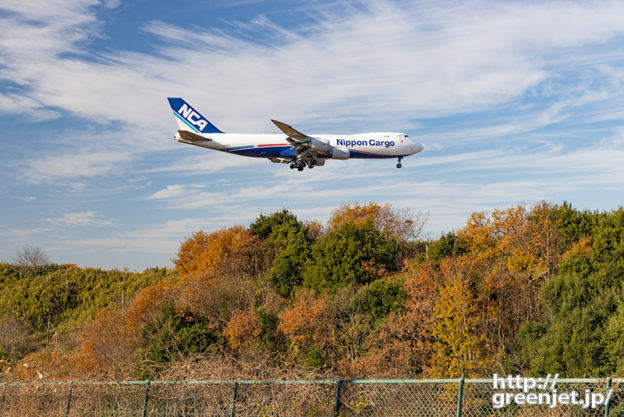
(203, 252)
(305, 324)
(505, 258)
(401, 224)
(106, 348)
(399, 347)
(459, 347)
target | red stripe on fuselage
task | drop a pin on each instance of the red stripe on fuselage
(274, 144)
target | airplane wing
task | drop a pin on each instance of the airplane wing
(307, 147)
(295, 137)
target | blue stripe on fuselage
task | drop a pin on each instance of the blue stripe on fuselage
(263, 152)
(290, 152)
(368, 155)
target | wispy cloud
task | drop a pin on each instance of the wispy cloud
(380, 61)
(87, 218)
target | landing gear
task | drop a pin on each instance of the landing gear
(399, 165)
(304, 161)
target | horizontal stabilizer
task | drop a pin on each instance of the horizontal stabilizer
(185, 134)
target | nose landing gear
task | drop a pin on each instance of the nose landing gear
(399, 165)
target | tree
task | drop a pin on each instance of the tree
(32, 259)
(203, 252)
(459, 347)
(401, 224)
(580, 331)
(176, 335)
(289, 263)
(349, 254)
(447, 245)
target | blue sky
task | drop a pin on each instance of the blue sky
(514, 102)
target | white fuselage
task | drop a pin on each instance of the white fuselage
(361, 145)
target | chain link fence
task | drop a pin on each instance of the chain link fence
(323, 398)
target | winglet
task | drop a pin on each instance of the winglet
(295, 134)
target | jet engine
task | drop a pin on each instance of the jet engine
(339, 152)
(318, 146)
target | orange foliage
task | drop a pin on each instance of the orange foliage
(399, 347)
(242, 330)
(306, 319)
(203, 252)
(145, 308)
(582, 248)
(386, 219)
(105, 347)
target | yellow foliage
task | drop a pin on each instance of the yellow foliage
(458, 348)
(583, 248)
(42, 365)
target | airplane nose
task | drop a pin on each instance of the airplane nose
(416, 147)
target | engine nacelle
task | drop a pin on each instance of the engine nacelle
(318, 145)
(339, 152)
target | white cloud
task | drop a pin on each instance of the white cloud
(86, 218)
(67, 168)
(385, 62)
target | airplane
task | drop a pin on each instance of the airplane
(291, 147)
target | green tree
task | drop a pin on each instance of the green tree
(349, 254)
(583, 305)
(447, 245)
(288, 265)
(276, 226)
(178, 334)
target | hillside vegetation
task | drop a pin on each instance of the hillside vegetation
(521, 290)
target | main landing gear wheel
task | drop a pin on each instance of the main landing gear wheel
(300, 167)
(293, 166)
(399, 165)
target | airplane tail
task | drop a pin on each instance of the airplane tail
(189, 119)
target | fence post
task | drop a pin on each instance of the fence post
(608, 404)
(234, 392)
(68, 399)
(460, 397)
(338, 391)
(147, 385)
